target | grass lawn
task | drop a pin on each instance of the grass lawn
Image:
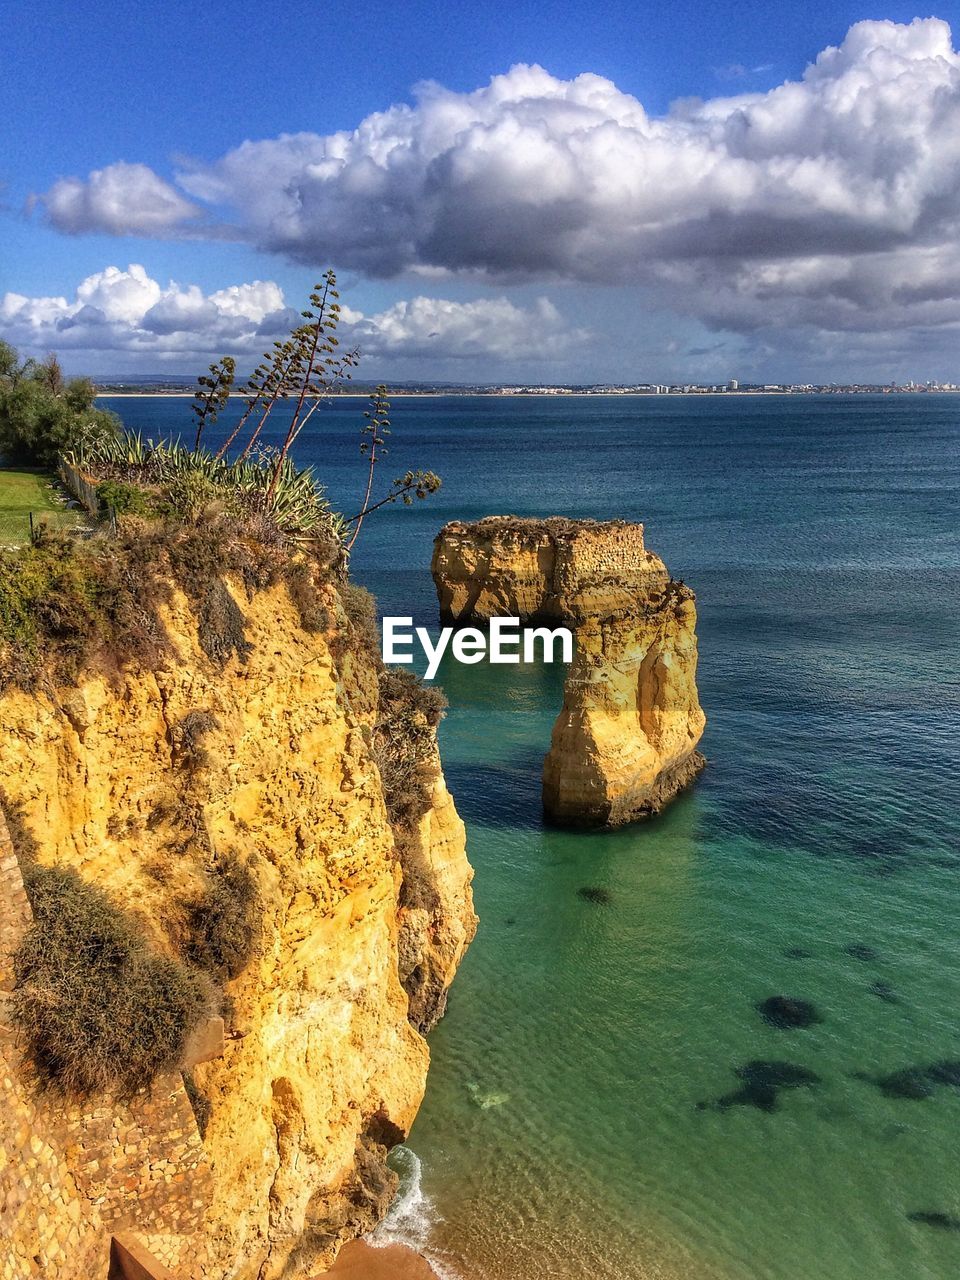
(22, 492)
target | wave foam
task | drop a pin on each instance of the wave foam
(412, 1215)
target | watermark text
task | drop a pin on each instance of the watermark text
(504, 642)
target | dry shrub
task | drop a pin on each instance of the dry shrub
(302, 587)
(25, 843)
(199, 1101)
(361, 610)
(224, 921)
(101, 1012)
(404, 743)
(187, 737)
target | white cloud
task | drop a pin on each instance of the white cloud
(832, 201)
(490, 328)
(122, 199)
(128, 312)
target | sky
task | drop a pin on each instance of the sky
(604, 192)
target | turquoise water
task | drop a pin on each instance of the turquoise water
(562, 1134)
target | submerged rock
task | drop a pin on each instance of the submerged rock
(485, 1099)
(912, 1084)
(883, 991)
(934, 1218)
(591, 893)
(860, 951)
(761, 1084)
(945, 1072)
(788, 1013)
(916, 1083)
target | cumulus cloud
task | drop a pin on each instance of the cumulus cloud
(490, 328)
(832, 200)
(122, 199)
(129, 313)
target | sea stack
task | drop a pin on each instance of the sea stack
(625, 741)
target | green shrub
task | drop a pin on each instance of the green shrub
(123, 499)
(47, 595)
(100, 1011)
(39, 422)
(290, 506)
(224, 922)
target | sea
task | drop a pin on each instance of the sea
(606, 1101)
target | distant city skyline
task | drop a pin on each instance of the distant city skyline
(697, 193)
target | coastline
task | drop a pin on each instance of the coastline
(551, 395)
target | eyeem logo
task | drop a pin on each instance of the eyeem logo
(503, 643)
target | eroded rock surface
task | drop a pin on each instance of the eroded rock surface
(323, 1068)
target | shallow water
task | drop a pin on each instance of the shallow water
(817, 858)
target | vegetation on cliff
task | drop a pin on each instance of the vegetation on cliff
(67, 604)
(100, 1011)
(185, 518)
(404, 743)
(104, 1001)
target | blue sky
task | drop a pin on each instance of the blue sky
(546, 227)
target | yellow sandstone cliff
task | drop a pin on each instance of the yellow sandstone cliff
(139, 779)
(626, 738)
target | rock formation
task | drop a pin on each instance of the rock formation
(625, 741)
(323, 1068)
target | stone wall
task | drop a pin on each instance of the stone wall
(588, 551)
(72, 1176)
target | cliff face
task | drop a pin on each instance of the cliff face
(437, 922)
(140, 779)
(554, 570)
(626, 738)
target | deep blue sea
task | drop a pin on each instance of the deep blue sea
(564, 1132)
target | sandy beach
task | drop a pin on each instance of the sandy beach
(360, 1261)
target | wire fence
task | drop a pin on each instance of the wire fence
(69, 504)
(80, 485)
(17, 528)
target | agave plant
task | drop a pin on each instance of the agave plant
(291, 499)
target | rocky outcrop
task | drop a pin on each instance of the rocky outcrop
(437, 922)
(140, 779)
(625, 741)
(554, 570)
(626, 738)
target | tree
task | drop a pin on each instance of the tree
(42, 416)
